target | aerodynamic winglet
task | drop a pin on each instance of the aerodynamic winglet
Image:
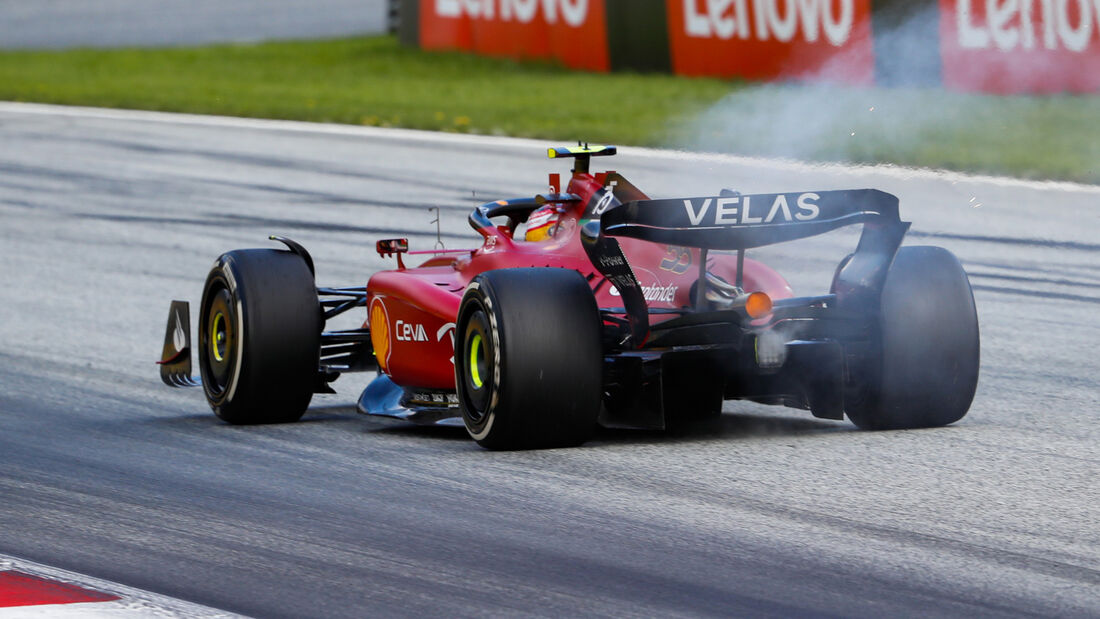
(175, 360)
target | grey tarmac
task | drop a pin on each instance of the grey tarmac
(106, 216)
(49, 24)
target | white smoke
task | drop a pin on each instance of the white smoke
(822, 122)
(900, 121)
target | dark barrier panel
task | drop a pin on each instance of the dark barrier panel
(906, 35)
(408, 21)
(637, 33)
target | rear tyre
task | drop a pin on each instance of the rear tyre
(259, 336)
(528, 359)
(926, 370)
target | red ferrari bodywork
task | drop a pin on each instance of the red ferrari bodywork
(547, 355)
(411, 311)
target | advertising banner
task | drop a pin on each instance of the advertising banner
(571, 31)
(826, 40)
(1021, 46)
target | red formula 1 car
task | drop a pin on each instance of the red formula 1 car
(593, 304)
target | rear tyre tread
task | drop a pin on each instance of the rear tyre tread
(924, 371)
(528, 359)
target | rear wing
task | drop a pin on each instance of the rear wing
(738, 222)
(745, 221)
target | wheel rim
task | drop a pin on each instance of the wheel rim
(477, 375)
(220, 341)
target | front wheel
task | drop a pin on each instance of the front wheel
(259, 336)
(924, 370)
(528, 359)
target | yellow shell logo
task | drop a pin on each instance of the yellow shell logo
(380, 333)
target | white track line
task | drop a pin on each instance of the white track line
(526, 144)
(133, 602)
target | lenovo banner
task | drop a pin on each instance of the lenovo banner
(773, 39)
(571, 31)
(1018, 46)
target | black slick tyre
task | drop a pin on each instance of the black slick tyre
(259, 336)
(924, 370)
(528, 359)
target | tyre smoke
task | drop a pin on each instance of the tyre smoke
(908, 120)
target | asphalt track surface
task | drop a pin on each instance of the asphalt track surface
(142, 23)
(105, 217)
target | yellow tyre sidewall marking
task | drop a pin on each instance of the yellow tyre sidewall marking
(475, 354)
(218, 318)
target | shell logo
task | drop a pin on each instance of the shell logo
(380, 333)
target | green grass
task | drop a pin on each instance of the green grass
(374, 81)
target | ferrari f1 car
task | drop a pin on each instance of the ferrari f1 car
(594, 304)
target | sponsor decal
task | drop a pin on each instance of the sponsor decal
(409, 332)
(572, 31)
(1011, 46)
(624, 281)
(765, 19)
(769, 39)
(572, 12)
(677, 259)
(738, 211)
(604, 204)
(447, 329)
(656, 292)
(1053, 24)
(606, 201)
(415, 332)
(612, 261)
(380, 333)
(427, 398)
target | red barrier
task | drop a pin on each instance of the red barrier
(1021, 46)
(997, 46)
(773, 39)
(572, 31)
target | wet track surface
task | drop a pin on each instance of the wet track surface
(769, 511)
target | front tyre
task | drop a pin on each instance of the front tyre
(925, 370)
(528, 359)
(259, 336)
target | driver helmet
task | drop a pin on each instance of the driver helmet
(542, 223)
